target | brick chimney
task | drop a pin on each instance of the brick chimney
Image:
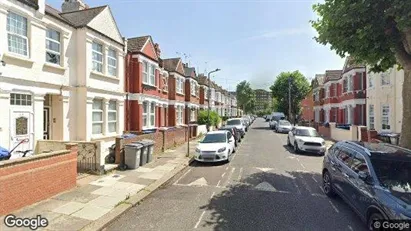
(73, 5)
(158, 51)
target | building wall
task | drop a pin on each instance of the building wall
(307, 108)
(391, 95)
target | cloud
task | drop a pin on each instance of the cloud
(279, 33)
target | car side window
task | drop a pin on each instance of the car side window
(359, 164)
(345, 157)
(229, 135)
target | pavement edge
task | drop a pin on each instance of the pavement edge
(134, 200)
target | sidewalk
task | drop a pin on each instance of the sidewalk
(97, 200)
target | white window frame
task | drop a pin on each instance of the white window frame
(146, 70)
(18, 35)
(385, 79)
(112, 111)
(100, 111)
(206, 93)
(192, 114)
(385, 117)
(95, 61)
(193, 87)
(149, 114)
(152, 75)
(179, 119)
(180, 85)
(51, 40)
(371, 117)
(112, 58)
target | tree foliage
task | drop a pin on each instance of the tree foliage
(373, 32)
(245, 97)
(300, 87)
(203, 118)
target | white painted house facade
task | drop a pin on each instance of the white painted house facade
(384, 101)
(63, 77)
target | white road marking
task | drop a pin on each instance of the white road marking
(218, 184)
(212, 195)
(302, 165)
(298, 188)
(239, 175)
(314, 179)
(321, 189)
(222, 175)
(233, 158)
(226, 168)
(349, 227)
(335, 208)
(318, 195)
(199, 182)
(181, 177)
(265, 186)
(199, 220)
(265, 169)
(305, 184)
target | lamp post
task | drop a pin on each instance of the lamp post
(289, 98)
(209, 98)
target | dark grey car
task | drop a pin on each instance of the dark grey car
(373, 178)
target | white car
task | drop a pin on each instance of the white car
(306, 139)
(215, 147)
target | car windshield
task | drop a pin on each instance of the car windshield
(215, 138)
(234, 122)
(393, 173)
(285, 123)
(306, 132)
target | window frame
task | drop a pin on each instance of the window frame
(192, 87)
(112, 58)
(148, 114)
(51, 40)
(18, 101)
(101, 111)
(385, 79)
(97, 62)
(371, 115)
(385, 127)
(21, 36)
(145, 71)
(370, 82)
(152, 75)
(180, 85)
(109, 110)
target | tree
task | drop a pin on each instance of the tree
(274, 105)
(245, 97)
(299, 90)
(376, 33)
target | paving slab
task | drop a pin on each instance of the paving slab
(106, 201)
(142, 169)
(103, 191)
(46, 205)
(69, 208)
(137, 180)
(87, 188)
(122, 185)
(108, 180)
(76, 196)
(153, 175)
(65, 222)
(91, 212)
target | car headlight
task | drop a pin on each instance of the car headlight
(323, 143)
(299, 140)
(222, 149)
(198, 150)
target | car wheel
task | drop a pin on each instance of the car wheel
(328, 184)
(296, 149)
(374, 217)
(288, 142)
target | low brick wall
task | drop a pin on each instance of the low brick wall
(28, 180)
(324, 131)
(174, 137)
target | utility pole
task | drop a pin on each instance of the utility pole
(209, 98)
(289, 98)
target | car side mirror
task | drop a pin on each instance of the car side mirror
(365, 177)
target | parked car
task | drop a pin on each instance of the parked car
(275, 117)
(373, 178)
(246, 122)
(216, 146)
(306, 139)
(234, 132)
(284, 126)
(267, 118)
(237, 123)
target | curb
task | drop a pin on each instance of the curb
(134, 200)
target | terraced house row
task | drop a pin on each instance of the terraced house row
(70, 75)
(357, 96)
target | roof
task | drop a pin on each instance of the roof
(202, 79)
(137, 43)
(171, 64)
(189, 70)
(351, 63)
(332, 75)
(56, 13)
(81, 18)
(32, 3)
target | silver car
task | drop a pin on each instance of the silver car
(283, 126)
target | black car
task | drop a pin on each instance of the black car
(235, 132)
(373, 178)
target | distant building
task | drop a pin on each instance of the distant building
(263, 97)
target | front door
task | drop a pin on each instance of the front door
(46, 123)
(21, 128)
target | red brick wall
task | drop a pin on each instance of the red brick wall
(171, 113)
(29, 180)
(324, 131)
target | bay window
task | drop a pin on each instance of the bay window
(180, 85)
(145, 72)
(385, 117)
(97, 116)
(152, 75)
(112, 62)
(18, 41)
(149, 114)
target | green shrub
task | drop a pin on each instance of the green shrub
(214, 118)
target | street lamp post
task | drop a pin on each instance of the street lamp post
(209, 98)
(289, 98)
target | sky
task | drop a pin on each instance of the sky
(251, 40)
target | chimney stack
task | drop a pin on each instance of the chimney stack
(73, 5)
(157, 49)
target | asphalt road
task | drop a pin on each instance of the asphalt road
(265, 187)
